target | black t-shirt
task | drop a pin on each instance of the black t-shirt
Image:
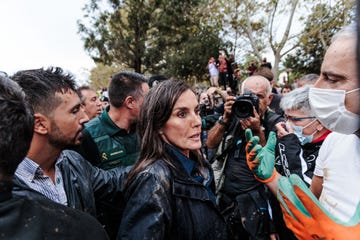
(238, 177)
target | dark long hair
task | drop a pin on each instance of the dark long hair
(156, 110)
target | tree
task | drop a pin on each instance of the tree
(117, 31)
(320, 26)
(261, 25)
(100, 75)
(188, 60)
(149, 36)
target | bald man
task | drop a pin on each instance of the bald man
(242, 198)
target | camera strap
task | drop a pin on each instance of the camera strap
(226, 145)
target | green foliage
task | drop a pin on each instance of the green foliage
(191, 57)
(243, 24)
(100, 75)
(258, 26)
(176, 38)
(321, 25)
(150, 36)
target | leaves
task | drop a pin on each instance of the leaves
(151, 36)
(176, 38)
(324, 21)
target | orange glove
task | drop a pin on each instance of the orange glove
(261, 160)
(304, 215)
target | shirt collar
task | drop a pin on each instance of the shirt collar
(61, 157)
(30, 168)
(110, 127)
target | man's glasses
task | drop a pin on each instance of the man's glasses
(295, 119)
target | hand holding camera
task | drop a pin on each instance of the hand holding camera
(246, 109)
(228, 108)
(244, 105)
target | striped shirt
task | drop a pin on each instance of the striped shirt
(32, 174)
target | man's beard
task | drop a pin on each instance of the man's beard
(57, 138)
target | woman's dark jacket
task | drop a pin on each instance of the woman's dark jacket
(163, 202)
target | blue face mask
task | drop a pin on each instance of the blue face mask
(298, 131)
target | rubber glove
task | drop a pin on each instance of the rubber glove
(305, 216)
(261, 160)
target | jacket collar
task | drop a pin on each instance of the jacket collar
(110, 127)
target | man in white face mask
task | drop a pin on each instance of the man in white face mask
(334, 100)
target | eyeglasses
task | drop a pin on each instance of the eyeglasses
(295, 119)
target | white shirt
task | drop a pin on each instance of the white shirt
(339, 165)
(213, 70)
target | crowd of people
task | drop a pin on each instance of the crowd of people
(165, 160)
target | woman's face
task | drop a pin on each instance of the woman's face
(301, 119)
(183, 128)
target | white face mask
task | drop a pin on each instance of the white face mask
(329, 108)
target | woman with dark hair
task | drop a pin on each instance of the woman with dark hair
(169, 194)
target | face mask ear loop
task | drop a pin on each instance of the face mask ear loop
(351, 91)
(308, 125)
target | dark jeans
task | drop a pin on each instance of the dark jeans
(223, 79)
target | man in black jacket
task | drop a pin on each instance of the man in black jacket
(241, 197)
(27, 217)
(58, 174)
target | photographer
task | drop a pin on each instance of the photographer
(211, 108)
(242, 199)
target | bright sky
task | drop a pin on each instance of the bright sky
(42, 33)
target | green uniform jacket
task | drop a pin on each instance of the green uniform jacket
(107, 146)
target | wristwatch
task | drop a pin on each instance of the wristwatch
(221, 122)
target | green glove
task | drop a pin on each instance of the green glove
(261, 160)
(305, 216)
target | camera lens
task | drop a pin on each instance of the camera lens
(243, 109)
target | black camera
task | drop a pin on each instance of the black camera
(244, 104)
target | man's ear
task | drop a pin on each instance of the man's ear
(130, 101)
(271, 95)
(41, 124)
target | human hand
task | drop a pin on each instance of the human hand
(261, 160)
(211, 90)
(283, 129)
(304, 215)
(274, 236)
(254, 123)
(227, 108)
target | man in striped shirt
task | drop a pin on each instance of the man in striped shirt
(61, 175)
(24, 217)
